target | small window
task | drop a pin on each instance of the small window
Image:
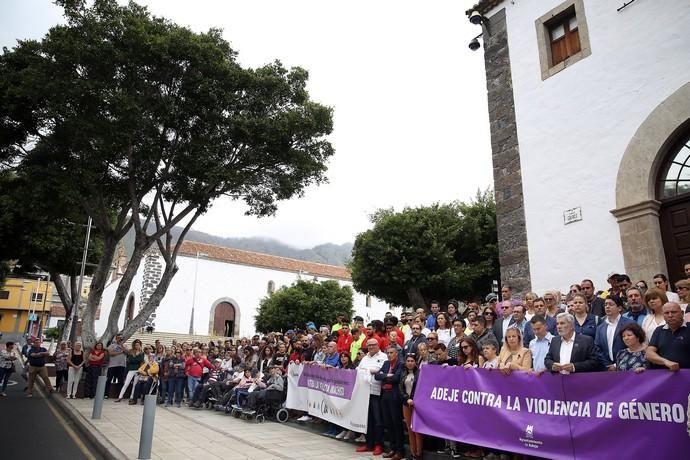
(368, 300)
(565, 37)
(37, 297)
(4, 295)
(271, 287)
(562, 37)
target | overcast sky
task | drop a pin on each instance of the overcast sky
(411, 121)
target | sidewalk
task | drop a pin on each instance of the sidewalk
(184, 433)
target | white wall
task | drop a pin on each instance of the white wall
(574, 127)
(244, 285)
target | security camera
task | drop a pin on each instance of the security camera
(476, 17)
(474, 44)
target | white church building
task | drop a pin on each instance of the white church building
(223, 287)
(589, 108)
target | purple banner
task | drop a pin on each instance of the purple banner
(588, 415)
(329, 380)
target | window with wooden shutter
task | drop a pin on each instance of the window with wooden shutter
(564, 36)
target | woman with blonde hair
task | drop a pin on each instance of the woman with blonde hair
(514, 356)
(655, 299)
(530, 297)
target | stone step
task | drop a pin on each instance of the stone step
(166, 338)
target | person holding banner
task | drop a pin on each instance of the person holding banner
(372, 363)
(514, 356)
(391, 405)
(570, 352)
(407, 387)
(670, 345)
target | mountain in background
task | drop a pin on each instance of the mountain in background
(329, 253)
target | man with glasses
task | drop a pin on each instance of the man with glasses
(372, 363)
(502, 323)
(416, 338)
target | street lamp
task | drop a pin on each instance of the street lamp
(196, 273)
(72, 324)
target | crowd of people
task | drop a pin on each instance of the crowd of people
(624, 328)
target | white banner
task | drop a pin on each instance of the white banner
(340, 396)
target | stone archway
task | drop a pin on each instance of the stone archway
(637, 207)
(224, 317)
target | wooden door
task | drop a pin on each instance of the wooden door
(224, 319)
(675, 234)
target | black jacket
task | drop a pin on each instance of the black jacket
(403, 393)
(584, 355)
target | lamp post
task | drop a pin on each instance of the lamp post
(77, 302)
(196, 273)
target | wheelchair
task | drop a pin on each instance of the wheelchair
(272, 407)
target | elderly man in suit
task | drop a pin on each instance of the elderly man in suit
(502, 323)
(608, 341)
(570, 352)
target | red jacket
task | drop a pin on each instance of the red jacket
(344, 342)
(195, 367)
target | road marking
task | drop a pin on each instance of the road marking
(80, 444)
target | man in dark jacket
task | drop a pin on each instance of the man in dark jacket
(570, 352)
(391, 404)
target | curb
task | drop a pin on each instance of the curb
(103, 446)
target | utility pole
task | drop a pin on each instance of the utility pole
(77, 302)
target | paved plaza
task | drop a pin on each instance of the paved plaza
(183, 433)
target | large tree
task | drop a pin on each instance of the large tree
(148, 123)
(430, 252)
(304, 301)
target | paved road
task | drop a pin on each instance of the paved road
(33, 428)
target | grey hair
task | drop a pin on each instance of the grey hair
(566, 316)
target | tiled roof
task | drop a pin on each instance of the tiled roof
(484, 6)
(255, 259)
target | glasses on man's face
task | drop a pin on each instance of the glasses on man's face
(505, 307)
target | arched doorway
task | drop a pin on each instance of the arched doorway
(224, 318)
(673, 191)
(639, 200)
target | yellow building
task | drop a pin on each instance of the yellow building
(25, 304)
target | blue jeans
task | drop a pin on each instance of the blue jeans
(4, 377)
(175, 388)
(192, 383)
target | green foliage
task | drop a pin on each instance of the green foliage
(442, 251)
(52, 333)
(141, 123)
(41, 232)
(304, 301)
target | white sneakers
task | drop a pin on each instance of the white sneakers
(304, 418)
(341, 435)
(349, 435)
(361, 438)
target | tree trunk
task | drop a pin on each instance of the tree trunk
(66, 299)
(140, 247)
(98, 280)
(416, 298)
